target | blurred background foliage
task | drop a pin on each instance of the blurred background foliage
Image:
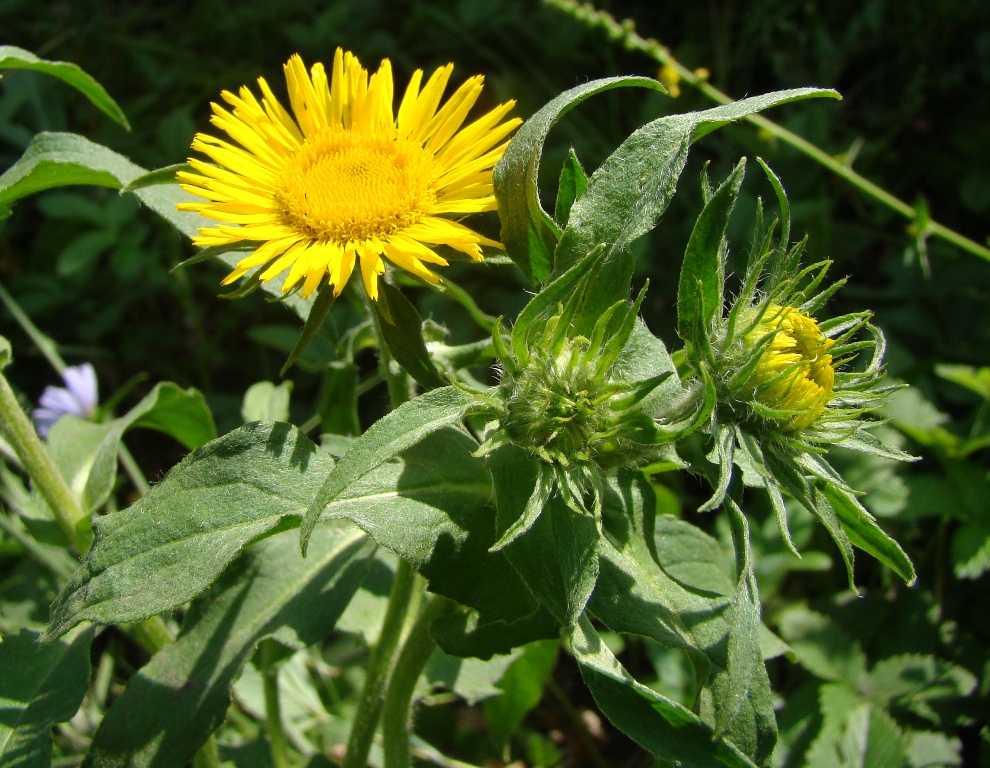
(91, 268)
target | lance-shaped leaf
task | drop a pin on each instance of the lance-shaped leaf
(180, 697)
(630, 191)
(63, 159)
(573, 183)
(387, 437)
(556, 556)
(12, 57)
(41, 684)
(403, 333)
(172, 544)
(864, 532)
(666, 728)
(704, 260)
(528, 232)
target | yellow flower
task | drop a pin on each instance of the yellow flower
(794, 373)
(343, 179)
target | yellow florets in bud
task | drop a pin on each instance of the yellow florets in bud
(794, 374)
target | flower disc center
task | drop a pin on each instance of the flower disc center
(342, 187)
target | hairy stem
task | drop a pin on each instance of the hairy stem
(397, 711)
(20, 433)
(370, 702)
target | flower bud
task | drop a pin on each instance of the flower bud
(794, 376)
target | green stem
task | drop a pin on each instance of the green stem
(208, 755)
(625, 34)
(41, 341)
(273, 710)
(397, 710)
(370, 703)
(399, 388)
(133, 470)
(23, 438)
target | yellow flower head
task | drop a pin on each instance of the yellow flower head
(794, 373)
(343, 179)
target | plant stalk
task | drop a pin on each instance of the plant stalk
(379, 664)
(21, 435)
(273, 709)
(397, 710)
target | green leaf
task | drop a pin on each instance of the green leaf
(172, 544)
(86, 453)
(556, 557)
(971, 548)
(465, 634)
(175, 701)
(628, 194)
(473, 680)
(573, 183)
(387, 437)
(704, 261)
(864, 532)
(915, 677)
(692, 557)
(314, 322)
(719, 633)
(403, 333)
(41, 684)
(854, 734)
(522, 688)
(527, 230)
(431, 507)
(17, 58)
(265, 401)
(667, 729)
(63, 159)
(823, 647)
(158, 176)
(6, 353)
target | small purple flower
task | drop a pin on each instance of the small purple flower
(78, 397)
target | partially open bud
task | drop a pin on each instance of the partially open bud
(794, 376)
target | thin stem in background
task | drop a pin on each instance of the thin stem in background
(273, 709)
(625, 34)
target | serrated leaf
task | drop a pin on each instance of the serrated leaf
(403, 333)
(667, 729)
(175, 701)
(823, 647)
(12, 57)
(527, 230)
(387, 437)
(41, 684)
(702, 278)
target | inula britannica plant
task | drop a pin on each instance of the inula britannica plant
(513, 497)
